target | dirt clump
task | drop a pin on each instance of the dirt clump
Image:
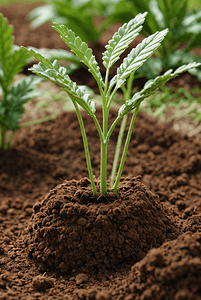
(73, 229)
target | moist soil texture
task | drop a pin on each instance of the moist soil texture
(58, 241)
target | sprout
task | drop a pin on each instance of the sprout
(123, 79)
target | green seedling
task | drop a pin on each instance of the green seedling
(123, 79)
(12, 95)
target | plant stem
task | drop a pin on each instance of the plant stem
(86, 148)
(117, 151)
(115, 187)
(104, 142)
(103, 171)
(2, 137)
(103, 165)
(127, 95)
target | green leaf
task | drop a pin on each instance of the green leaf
(13, 65)
(6, 39)
(80, 49)
(137, 57)
(173, 11)
(25, 89)
(121, 40)
(76, 15)
(157, 14)
(58, 54)
(54, 72)
(12, 109)
(42, 14)
(151, 86)
(79, 17)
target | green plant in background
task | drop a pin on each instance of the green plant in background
(12, 95)
(184, 26)
(183, 101)
(125, 72)
(77, 15)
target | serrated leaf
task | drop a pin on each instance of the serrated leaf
(151, 86)
(25, 89)
(54, 72)
(6, 38)
(58, 54)
(121, 40)
(80, 49)
(138, 56)
(12, 109)
(13, 65)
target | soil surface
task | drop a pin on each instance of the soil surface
(58, 241)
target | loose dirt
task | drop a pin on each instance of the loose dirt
(58, 241)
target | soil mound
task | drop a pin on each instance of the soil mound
(172, 271)
(176, 263)
(73, 229)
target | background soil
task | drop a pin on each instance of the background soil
(48, 154)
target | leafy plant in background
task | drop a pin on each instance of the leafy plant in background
(125, 72)
(77, 15)
(12, 96)
(184, 26)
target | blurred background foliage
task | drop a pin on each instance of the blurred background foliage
(182, 17)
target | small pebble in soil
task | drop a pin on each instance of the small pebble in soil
(81, 278)
(42, 283)
(7, 239)
(4, 208)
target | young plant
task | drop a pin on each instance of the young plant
(125, 72)
(12, 96)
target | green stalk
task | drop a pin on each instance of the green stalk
(127, 95)
(103, 165)
(2, 137)
(117, 150)
(115, 187)
(103, 171)
(86, 148)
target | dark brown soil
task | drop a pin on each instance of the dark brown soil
(72, 229)
(58, 241)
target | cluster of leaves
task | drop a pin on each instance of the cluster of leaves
(123, 79)
(184, 26)
(12, 95)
